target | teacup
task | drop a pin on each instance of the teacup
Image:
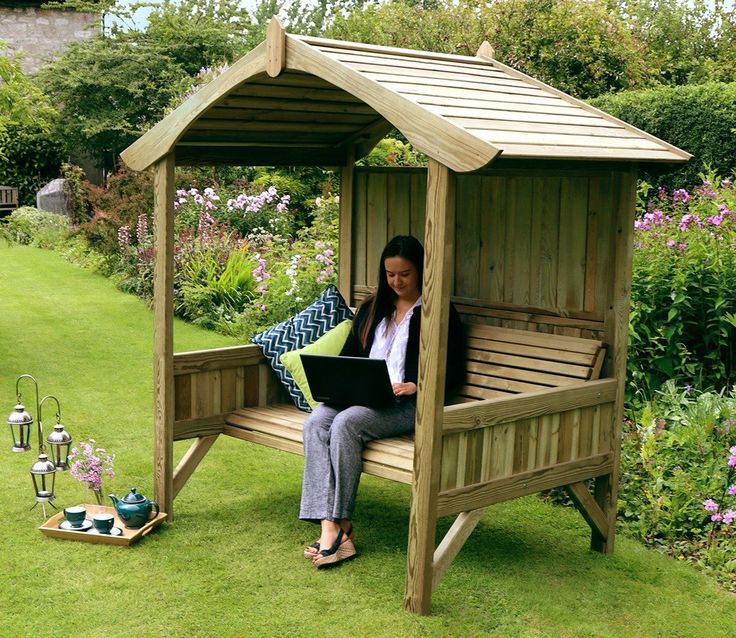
(75, 515)
(103, 523)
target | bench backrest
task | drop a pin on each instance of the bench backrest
(502, 361)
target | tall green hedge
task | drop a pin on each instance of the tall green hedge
(29, 158)
(698, 118)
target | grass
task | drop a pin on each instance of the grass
(230, 564)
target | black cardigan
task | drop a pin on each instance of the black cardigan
(455, 364)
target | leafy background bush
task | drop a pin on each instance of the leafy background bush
(697, 118)
(28, 225)
(674, 459)
(683, 310)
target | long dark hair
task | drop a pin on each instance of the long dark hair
(381, 303)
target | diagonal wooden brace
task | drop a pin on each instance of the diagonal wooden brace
(589, 508)
(191, 460)
(453, 542)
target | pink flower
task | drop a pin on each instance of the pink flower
(710, 505)
(732, 490)
(728, 517)
(732, 458)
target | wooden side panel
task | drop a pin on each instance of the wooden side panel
(518, 446)
(534, 249)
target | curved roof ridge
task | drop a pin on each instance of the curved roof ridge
(304, 100)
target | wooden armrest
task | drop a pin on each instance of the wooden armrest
(217, 359)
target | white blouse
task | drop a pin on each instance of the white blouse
(390, 341)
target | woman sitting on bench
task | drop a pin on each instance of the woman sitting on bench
(386, 326)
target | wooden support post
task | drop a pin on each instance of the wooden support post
(191, 460)
(616, 334)
(439, 242)
(453, 542)
(345, 256)
(163, 334)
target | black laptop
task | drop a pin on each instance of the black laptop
(346, 381)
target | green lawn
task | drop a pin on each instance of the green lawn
(231, 562)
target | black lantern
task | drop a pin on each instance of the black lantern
(20, 422)
(43, 473)
(59, 443)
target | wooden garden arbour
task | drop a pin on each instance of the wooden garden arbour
(526, 212)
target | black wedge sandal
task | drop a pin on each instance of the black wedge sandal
(341, 550)
(312, 551)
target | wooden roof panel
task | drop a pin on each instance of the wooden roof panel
(297, 98)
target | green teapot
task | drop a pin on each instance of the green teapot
(135, 509)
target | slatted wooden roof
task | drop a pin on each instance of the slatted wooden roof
(297, 100)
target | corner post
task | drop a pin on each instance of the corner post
(163, 334)
(605, 489)
(439, 242)
(345, 257)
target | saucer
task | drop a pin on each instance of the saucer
(65, 524)
(115, 531)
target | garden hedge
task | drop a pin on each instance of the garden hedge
(698, 118)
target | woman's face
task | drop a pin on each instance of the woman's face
(402, 277)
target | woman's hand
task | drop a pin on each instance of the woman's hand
(404, 389)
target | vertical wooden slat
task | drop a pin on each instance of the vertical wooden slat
(572, 242)
(531, 462)
(251, 382)
(616, 334)
(439, 239)
(521, 245)
(467, 238)
(228, 381)
(398, 204)
(494, 232)
(545, 234)
(377, 224)
(591, 253)
(448, 466)
(544, 436)
(360, 234)
(183, 396)
(418, 203)
(163, 334)
(345, 259)
(607, 225)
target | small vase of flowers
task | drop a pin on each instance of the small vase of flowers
(89, 464)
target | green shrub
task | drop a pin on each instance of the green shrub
(675, 469)
(27, 225)
(29, 159)
(697, 118)
(683, 310)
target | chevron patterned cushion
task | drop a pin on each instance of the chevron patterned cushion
(300, 330)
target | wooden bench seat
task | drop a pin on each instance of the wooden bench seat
(501, 362)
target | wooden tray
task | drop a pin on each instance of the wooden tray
(51, 528)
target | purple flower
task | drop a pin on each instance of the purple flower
(732, 490)
(728, 517)
(710, 505)
(732, 458)
(688, 388)
(680, 195)
(716, 517)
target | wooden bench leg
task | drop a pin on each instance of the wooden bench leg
(605, 492)
(593, 514)
(453, 542)
(191, 460)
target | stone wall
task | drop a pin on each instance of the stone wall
(41, 34)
